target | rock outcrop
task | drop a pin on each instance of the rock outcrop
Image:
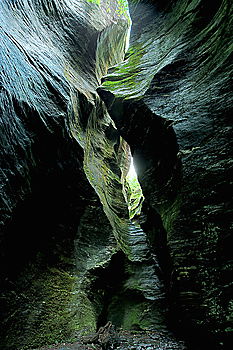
(171, 101)
(57, 244)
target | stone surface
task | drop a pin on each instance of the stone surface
(59, 253)
(51, 59)
(130, 341)
(180, 136)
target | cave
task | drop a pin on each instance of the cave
(87, 87)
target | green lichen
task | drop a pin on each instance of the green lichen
(124, 77)
(52, 311)
(132, 312)
(94, 1)
(123, 8)
(169, 213)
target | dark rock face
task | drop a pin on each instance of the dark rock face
(181, 138)
(70, 257)
(53, 228)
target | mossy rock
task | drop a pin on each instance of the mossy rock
(52, 311)
(134, 312)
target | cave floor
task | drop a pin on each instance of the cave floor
(128, 341)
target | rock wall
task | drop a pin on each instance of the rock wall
(171, 101)
(57, 138)
(52, 56)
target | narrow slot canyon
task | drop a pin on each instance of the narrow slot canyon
(116, 175)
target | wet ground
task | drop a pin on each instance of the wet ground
(128, 341)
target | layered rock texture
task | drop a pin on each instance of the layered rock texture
(84, 84)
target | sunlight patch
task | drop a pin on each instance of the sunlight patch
(135, 196)
(132, 172)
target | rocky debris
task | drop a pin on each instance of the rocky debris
(126, 340)
(150, 340)
(106, 337)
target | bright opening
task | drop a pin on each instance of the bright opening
(135, 196)
(132, 172)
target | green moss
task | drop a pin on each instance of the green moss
(52, 310)
(122, 8)
(94, 1)
(133, 317)
(124, 77)
(132, 312)
(135, 196)
(169, 213)
(85, 314)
